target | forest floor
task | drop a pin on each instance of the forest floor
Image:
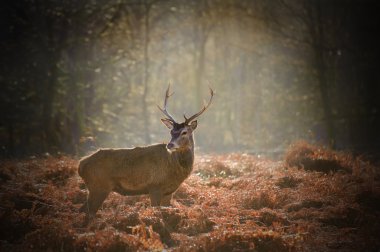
(312, 200)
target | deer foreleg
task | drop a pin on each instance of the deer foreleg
(155, 197)
(94, 201)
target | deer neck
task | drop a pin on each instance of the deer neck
(185, 157)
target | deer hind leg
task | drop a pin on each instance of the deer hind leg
(165, 200)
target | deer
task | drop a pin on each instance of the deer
(157, 170)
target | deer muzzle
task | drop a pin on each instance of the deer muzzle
(172, 146)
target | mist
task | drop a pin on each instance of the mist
(76, 76)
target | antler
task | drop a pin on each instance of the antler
(167, 95)
(187, 120)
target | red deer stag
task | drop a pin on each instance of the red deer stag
(157, 170)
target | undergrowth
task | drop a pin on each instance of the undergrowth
(314, 200)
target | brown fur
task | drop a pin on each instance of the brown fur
(149, 170)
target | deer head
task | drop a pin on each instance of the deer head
(181, 133)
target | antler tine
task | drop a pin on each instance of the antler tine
(167, 95)
(187, 120)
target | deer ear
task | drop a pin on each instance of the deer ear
(167, 122)
(193, 124)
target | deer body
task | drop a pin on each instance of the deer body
(157, 170)
(143, 170)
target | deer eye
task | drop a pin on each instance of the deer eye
(183, 133)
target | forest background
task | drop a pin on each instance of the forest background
(77, 75)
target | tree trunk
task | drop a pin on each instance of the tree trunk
(201, 34)
(199, 68)
(74, 104)
(146, 73)
(326, 104)
(318, 40)
(47, 106)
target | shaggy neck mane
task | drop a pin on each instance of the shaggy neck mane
(185, 157)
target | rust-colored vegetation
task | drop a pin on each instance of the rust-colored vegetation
(314, 200)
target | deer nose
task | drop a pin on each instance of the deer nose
(170, 146)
